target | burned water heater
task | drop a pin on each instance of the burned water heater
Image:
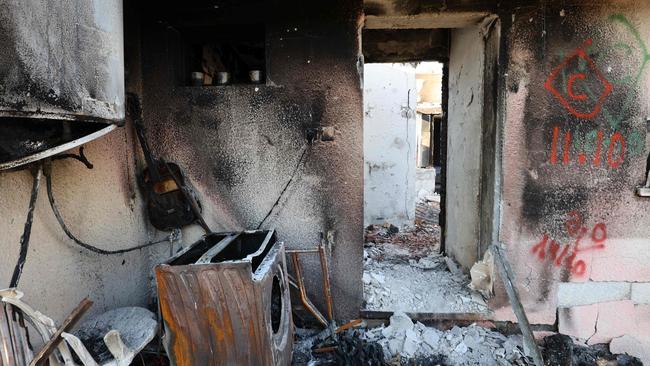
(61, 75)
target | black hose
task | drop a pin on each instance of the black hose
(92, 248)
(27, 231)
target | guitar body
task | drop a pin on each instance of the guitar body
(167, 205)
(171, 203)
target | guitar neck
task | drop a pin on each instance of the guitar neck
(152, 163)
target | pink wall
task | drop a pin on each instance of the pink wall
(574, 149)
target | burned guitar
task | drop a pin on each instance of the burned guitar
(170, 201)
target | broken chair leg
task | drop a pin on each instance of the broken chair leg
(68, 323)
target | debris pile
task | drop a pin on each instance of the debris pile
(404, 271)
(472, 345)
(428, 210)
(395, 280)
(349, 348)
(560, 349)
(405, 343)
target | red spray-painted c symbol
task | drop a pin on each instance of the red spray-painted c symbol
(569, 87)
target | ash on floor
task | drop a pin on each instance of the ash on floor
(403, 271)
(405, 343)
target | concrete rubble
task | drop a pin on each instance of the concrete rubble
(470, 345)
(406, 343)
(395, 279)
(403, 342)
(404, 270)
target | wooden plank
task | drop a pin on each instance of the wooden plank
(469, 317)
(507, 277)
(68, 323)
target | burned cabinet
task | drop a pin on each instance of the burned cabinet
(225, 301)
(61, 75)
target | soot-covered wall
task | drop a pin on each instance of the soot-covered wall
(242, 144)
(574, 149)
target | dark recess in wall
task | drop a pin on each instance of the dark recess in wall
(216, 36)
(405, 45)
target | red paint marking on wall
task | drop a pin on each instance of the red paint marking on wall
(567, 146)
(599, 233)
(558, 260)
(539, 247)
(617, 138)
(573, 224)
(553, 249)
(556, 133)
(579, 104)
(567, 254)
(599, 148)
(570, 90)
(579, 268)
(616, 150)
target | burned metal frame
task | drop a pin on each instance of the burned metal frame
(56, 150)
(299, 283)
(295, 259)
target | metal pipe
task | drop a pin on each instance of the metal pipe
(349, 325)
(326, 281)
(303, 293)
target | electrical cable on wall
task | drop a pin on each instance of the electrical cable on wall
(59, 218)
(24, 239)
(277, 201)
(408, 152)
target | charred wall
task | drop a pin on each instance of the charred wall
(574, 146)
(569, 158)
(65, 62)
(253, 150)
(571, 121)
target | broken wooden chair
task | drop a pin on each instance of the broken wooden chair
(113, 338)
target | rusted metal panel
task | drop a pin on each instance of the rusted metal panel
(227, 313)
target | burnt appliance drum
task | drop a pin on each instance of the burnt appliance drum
(225, 301)
(61, 75)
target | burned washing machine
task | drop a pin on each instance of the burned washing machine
(225, 301)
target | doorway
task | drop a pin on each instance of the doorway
(430, 168)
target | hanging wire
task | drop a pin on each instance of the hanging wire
(174, 235)
(286, 186)
(24, 239)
